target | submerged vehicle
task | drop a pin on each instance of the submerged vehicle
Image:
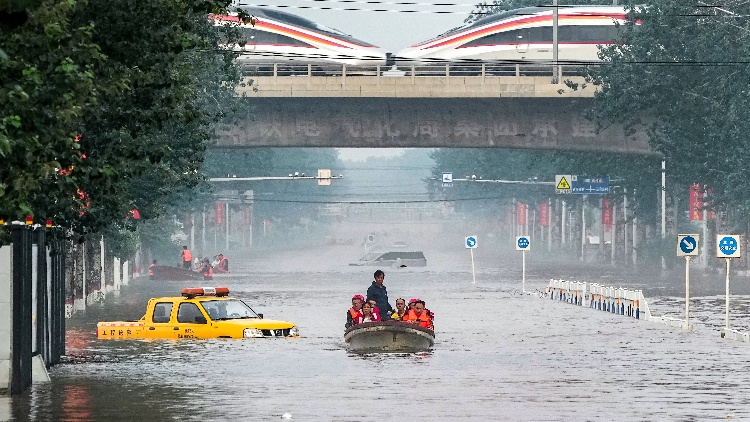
(388, 336)
(199, 313)
(393, 258)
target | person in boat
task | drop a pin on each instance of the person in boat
(355, 312)
(412, 301)
(368, 315)
(223, 266)
(375, 309)
(378, 292)
(400, 311)
(207, 270)
(151, 270)
(419, 315)
(187, 258)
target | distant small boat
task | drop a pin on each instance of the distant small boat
(164, 272)
(388, 336)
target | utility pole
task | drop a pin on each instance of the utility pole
(555, 66)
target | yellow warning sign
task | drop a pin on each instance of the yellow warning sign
(562, 183)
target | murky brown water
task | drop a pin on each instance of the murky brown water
(499, 355)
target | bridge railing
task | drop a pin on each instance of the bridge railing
(424, 70)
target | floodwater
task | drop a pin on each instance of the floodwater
(499, 355)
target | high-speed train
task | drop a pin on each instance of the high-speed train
(280, 37)
(523, 35)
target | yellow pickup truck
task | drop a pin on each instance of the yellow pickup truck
(202, 312)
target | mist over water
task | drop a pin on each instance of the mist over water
(499, 354)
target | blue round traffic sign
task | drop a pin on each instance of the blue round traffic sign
(688, 244)
(728, 245)
(471, 242)
(523, 242)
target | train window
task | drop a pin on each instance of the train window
(596, 34)
(506, 37)
(255, 37)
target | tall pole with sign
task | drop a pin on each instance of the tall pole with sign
(687, 246)
(727, 247)
(523, 244)
(471, 244)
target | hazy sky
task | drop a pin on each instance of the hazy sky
(390, 30)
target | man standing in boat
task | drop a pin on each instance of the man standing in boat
(378, 293)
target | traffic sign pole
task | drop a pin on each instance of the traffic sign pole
(726, 317)
(523, 272)
(473, 274)
(686, 326)
(471, 243)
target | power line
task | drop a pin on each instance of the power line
(417, 201)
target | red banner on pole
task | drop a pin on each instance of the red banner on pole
(521, 214)
(544, 214)
(696, 202)
(219, 211)
(607, 215)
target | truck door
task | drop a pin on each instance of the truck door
(191, 322)
(160, 318)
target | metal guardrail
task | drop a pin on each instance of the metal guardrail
(425, 70)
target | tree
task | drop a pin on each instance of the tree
(680, 74)
(108, 106)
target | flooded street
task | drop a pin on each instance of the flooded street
(499, 355)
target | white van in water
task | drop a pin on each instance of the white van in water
(398, 259)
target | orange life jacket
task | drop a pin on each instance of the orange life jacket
(208, 272)
(355, 315)
(423, 320)
(187, 256)
(151, 270)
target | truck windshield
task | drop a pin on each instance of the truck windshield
(227, 309)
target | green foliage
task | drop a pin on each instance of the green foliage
(683, 76)
(142, 83)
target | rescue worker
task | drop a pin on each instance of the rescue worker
(418, 315)
(187, 258)
(151, 270)
(378, 292)
(354, 313)
(223, 266)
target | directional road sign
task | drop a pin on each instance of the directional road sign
(687, 244)
(447, 178)
(523, 243)
(471, 242)
(727, 246)
(588, 185)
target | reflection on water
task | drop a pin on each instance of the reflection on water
(498, 355)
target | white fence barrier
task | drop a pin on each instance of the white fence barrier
(616, 300)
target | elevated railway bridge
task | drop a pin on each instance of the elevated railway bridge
(431, 106)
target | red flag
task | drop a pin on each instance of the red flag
(521, 214)
(219, 211)
(696, 202)
(607, 215)
(544, 214)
